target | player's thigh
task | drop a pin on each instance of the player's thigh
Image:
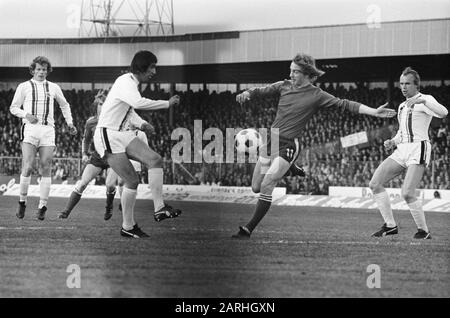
(414, 174)
(111, 178)
(278, 169)
(46, 154)
(28, 153)
(89, 173)
(385, 172)
(139, 151)
(120, 163)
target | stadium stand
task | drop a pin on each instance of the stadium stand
(348, 167)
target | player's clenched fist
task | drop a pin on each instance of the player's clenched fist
(85, 159)
(243, 97)
(147, 128)
(174, 100)
(72, 129)
(31, 118)
(389, 144)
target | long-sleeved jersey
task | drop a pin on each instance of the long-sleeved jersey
(297, 105)
(414, 121)
(37, 98)
(121, 101)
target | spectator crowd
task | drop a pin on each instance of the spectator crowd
(352, 166)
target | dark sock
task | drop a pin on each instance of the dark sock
(73, 200)
(110, 199)
(262, 207)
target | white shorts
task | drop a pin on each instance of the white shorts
(112, 141)
(413, 153)
(38, 135)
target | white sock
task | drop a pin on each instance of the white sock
(384, 205)
(156, 184)
(24, 184)
(128, 199)
(44, 191)
(418, 215)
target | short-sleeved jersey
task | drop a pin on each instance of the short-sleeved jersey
(296, 105)
(414, 121)
(37, 98)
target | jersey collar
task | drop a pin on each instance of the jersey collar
(415, 96)
(37, 82)
(135, 80)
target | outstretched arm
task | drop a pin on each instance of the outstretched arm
(130, 95)
(328, 100)
(381, 111)
(258, 91)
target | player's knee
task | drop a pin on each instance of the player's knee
(408, 195)
(157, 162)
(46, 164)
(268, 183)
(110, 184)
(374, 185)
(132, 183)
(27, 170)
(46, 172)
(110, 188)
(256, 188)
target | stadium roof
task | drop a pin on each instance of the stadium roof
(430, 67)
(347, 53)
(423, 37)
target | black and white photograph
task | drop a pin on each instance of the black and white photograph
(226, 156)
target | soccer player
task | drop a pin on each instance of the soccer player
(94, 167)
(413, 154)
(96, 164)
(299, 101)
(38, 132)
(118, 145)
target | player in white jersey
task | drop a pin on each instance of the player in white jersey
(118, 145)
(38, 129)
(413, 154)
(96, 165)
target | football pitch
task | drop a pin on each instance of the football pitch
(295, 252)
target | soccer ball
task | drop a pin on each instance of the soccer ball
(247, 141)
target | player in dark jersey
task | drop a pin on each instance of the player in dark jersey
(94, 167)
(299, 101)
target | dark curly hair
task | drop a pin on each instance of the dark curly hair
(141, 61)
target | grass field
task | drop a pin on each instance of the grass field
(296, 252)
